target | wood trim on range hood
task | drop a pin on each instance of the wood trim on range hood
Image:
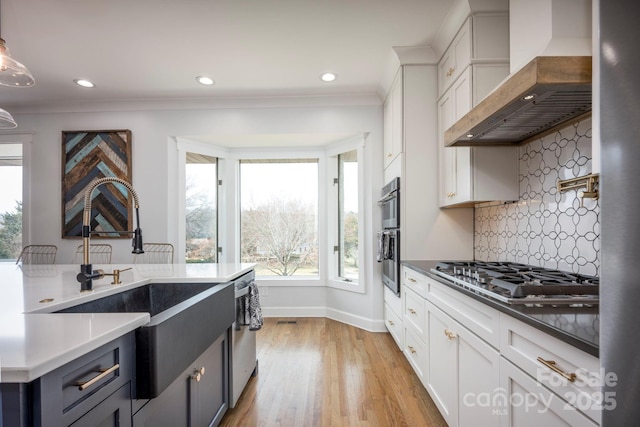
(562, 89)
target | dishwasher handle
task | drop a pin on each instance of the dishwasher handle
(242, 291)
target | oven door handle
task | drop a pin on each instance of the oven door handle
(387, 198)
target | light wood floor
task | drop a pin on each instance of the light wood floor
(319, 372)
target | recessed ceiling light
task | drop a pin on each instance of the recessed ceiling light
(204, 80)
(469, 135)
(83, 83)
(328, 77)
(529, 97)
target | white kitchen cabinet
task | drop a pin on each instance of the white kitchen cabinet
(527, 404)
(393, 131)
(427, 232)
(462, 371)
(482, 38)
(523, 344)
(456, 58)
(393, 316)
(471, 175)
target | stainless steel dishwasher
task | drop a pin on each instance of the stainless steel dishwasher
(244, 362)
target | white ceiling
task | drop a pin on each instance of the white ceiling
(154, 49)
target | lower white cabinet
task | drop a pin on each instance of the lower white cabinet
(526, 403)
(393, 316)
(463, 371)
(481, 367)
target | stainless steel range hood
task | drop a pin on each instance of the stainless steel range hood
(544, 94)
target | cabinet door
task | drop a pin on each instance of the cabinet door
(463, 191)
(447, 155)
(455, 162)
(456, 58)
(209, 393)
(526, 403)
(393, 132)
(442, 362)
(478, 379)
(113, 411)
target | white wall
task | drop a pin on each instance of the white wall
(155, 176)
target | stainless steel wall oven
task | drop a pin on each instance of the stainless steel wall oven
(389, 236)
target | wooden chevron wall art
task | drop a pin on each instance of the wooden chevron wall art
(88, 155)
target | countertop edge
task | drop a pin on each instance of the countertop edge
(577, 342)
(28, 374)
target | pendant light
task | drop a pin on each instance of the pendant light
(6, 120)
(12, 72)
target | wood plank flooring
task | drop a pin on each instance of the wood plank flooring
(319, 372)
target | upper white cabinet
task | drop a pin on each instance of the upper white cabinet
(393, 132)
(410, 125)
(455, 59)
(473, 65)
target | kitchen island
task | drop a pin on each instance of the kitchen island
(36, 342)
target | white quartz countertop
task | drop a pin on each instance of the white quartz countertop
(34, 340)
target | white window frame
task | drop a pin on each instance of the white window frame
(287, 153)
(25, 139)
(334, 280)
(229, 206)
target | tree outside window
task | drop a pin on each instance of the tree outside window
(279, 216)
(348, 215)
(201, 208)
(10, 201)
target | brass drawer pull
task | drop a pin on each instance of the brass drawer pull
(450, 71)
(412, 280)
(411, 349)
(103, 373)
(411, 310)
(450, 335)
(391, 322)
(551, 364)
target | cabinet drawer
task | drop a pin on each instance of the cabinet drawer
(415, 281)
(415, 351)
(523, 345)
(414, 311)
(102, 371)
(393, 322)
(479, 318)
(394, 301)
(526, 403)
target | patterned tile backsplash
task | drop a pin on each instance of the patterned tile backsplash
(545, 228)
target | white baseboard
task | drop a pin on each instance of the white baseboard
(357, 321)
(294, 311)
(340, 316)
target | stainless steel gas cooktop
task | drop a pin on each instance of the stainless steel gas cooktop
(515, 283)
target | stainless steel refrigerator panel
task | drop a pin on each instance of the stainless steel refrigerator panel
(620, 207)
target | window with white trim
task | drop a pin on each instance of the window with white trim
(279, 216)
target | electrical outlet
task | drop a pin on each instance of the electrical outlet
(264, 291)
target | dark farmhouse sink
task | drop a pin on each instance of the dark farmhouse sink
(186, 318)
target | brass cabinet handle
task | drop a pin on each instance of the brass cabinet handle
(197, 376)
(551, 364)
(389, 155)
(391, 322)
(412, 280)
(83, 385)
(202, 371)
(450, 71)
(411, 349)
(450, 335)
(411, 310)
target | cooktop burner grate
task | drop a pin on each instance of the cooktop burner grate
(520, 283)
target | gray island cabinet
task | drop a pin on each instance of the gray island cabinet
(102, 386)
